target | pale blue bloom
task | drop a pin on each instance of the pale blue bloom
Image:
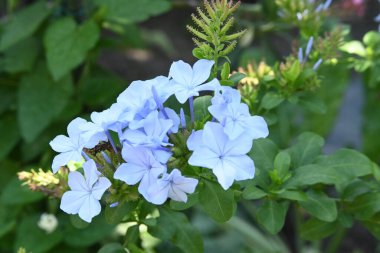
(235, 117)
(174, 186)
(309, 46)
(85, 193)
(142, 166)
(188, 81)
(138, 101)
(317, 64)
(226, 95)
(226, 158)
(153, 132)
(70, 148)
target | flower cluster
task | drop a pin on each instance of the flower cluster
(141, 130)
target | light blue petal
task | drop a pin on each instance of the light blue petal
(173, 116)
(61, 143)
(76, 182)
(130, 173)
(238, 146)
(72, 201)
(212, 85)
(100, 187)
(233, 129)
(161, 155)
(177, 195)
(134, 137)
(183, 93)
(244, 166)
(90, 173)
(214, 137)
(201, 71)
(204, 157)
(158, 193)
(74, 127)
(195, 140)
(257, 127)
(225, 173)
(90, 208)
(181, 72)
(63, 159)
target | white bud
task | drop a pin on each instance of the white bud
(48, 222)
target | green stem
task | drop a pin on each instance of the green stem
(297, 217)
(336, 240)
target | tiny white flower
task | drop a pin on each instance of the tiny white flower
(48, 222)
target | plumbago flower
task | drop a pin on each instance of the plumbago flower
(156, 153)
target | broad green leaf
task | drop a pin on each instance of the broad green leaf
(96, 231)
(9, 134)
(36, 240)
(315, 229)
(175, 227)
(237, 77)
(21, 56)
(112, 248)
(271, 100)
(271, 215)
(191, 201)
(306, 149)
(263, 154)
(40, 101)
(132, 11)
(17, 194)
(115, 215)
(282, 163)
(201, 105)
(354, 47)
(356, 188)
(218, 203)
(293, 72)
(320, 206)
(67, 44)
(292, 195)
(252, 192)
(349, 164)
(77, 222)
(133, 234)
(8, 218)
(365, 206)
(313, 174)
(7, 97)
(23, 24)
(371, 38)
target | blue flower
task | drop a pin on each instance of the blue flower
(85, 193)
(141, 166)
(153, 132)
(236, 119)
(70, 147)
(138, 101)
(174, 186)
(189, 81)
(226, 158)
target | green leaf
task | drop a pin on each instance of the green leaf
(356, 188)
(97, 230)
(313, 104)
(354, 47)
(306, 149)
(315, 229)
(115, 215)
(67, 44)
(365, 206)
(132, 11)
(40, 100)
(218, 203)
(292, 195)
(201, 105)
(252, 192)
(320, 206)
(349, 164)
(313, 174)
(175, 227)
(23, 24)
(21, 56)
(179, 206)
(36, 240)
(271, 215)
(9, 135)
(225, 71)
(271, 100)
(133, 234)
(373, 225)
(371, 38)
(112, 248)
(23, 193)
(293, 72)
(282, 163)
(235, 78)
